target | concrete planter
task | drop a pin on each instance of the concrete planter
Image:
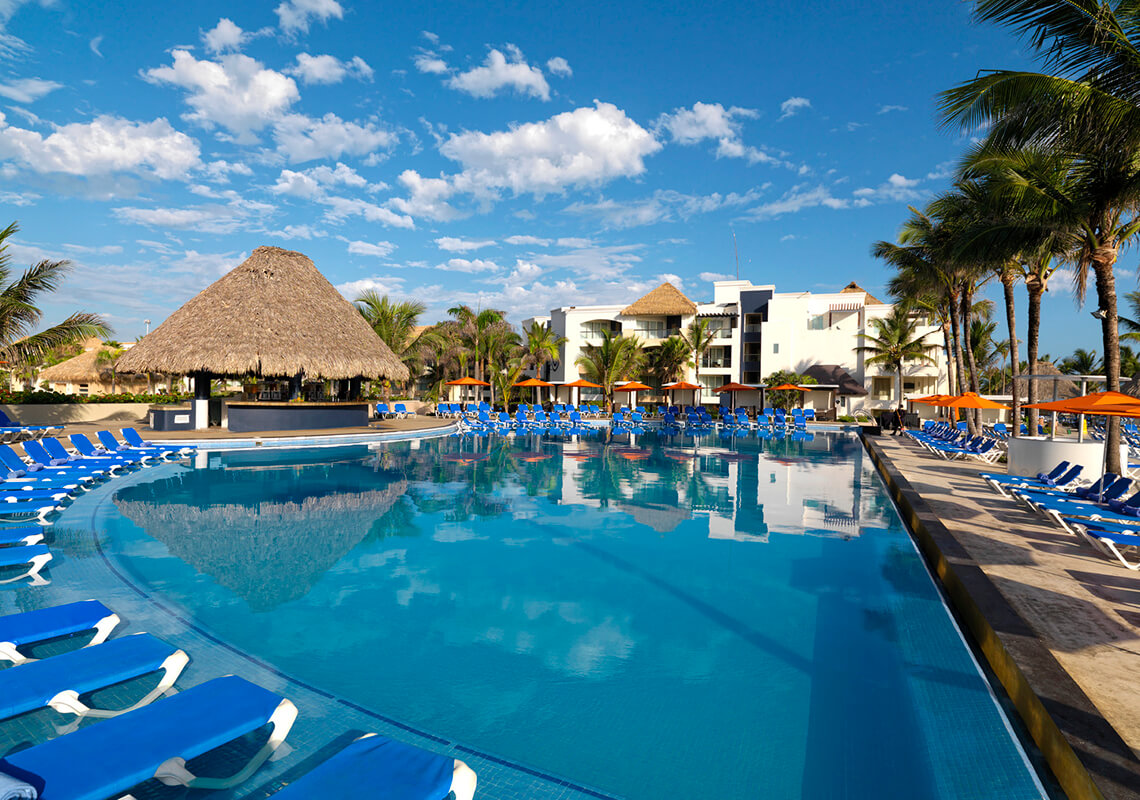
(62, 413)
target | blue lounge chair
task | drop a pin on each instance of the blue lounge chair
(87, 449)
(62, 462)
(21, 478)
(134, 439)
(13, 507)
(1112, 539)
(31, 558)
(382, 411)
(55, 622)
(1004, 484)
(392, 769)
(115, 447)
(108, 759)
(30, 534)
(58, 682)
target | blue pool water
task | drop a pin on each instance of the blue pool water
(666, 617)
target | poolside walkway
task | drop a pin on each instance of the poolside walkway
(1069, 617)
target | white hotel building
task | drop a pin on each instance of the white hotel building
(760, 331)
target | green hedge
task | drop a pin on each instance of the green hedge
(51, 398)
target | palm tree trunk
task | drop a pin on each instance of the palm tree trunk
(971, 363)
(1103, 260)
(1007, 280)
(956, 330)
(1036, 289)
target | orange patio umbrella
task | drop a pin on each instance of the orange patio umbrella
(468, 381)
(734, 388)
(932, 399)
(579, 384)
(1087, 404)
(634, 387)
(680, 386)
(533, 382)
(786, 387)
(971, 400)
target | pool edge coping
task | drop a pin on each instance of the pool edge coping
(969, 589)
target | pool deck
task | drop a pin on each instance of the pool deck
(1067, 618)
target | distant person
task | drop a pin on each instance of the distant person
(899, 421)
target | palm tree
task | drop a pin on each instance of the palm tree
(894, 343)
(395, 323)
(1081, 362)
(105, 361)
(19, 314)
(616, 358)
(1081, 109)
(698, 338)
(667, 361)
(542, 346)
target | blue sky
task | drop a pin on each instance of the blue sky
(518, 156)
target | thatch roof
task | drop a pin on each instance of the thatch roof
(80, 369)
(83, 368)
(1065, 388)
(854, 288)
(275, 315)
(665, 300)
(1133, 386)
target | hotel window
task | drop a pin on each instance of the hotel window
(596, 329)
(650, 328)
(817, 322)
(775, 347)
(84, 388)
(882, 388)
(716, 357)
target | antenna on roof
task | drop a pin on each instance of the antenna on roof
(735, 252)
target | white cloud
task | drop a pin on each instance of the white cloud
(897, 188)
(499, 72)
(427, 197)
(792, 106)
(714, 276)
(340, 208)
(327, 69)
(379, 249)
(470, 266)
(300, 138)
(106, 144)
(237, 214)
(574, 241)
(689, 126)
(312, 182)
(295, 16)
(109, 249)
(28, 90)
(704, 121)
(454, 245)
(560, 67)
(382, 286)
(797, 199)
(431, 37)
(889, 109)
(95, 43)
(298, 232)
(224, 37)
(430, 63)
(235, 92)
(521, 240)
(587, 146)
(663, 205)
(219, 171)
(593, 261)
(172, 217)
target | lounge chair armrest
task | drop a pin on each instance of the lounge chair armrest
(173, 772)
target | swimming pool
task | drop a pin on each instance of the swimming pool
(659, 617)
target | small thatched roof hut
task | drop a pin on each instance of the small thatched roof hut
(854, 288)
(1065, 388)
(83, 368)
(666, 300)
(274, 315)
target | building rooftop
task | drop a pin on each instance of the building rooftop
(665, 300)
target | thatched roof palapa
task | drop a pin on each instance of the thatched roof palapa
(854, 288)
(1065, 387)
(83, 368)
(666, 300)
(273, 315)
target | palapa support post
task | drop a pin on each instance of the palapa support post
(201, 400)
(295, 384)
